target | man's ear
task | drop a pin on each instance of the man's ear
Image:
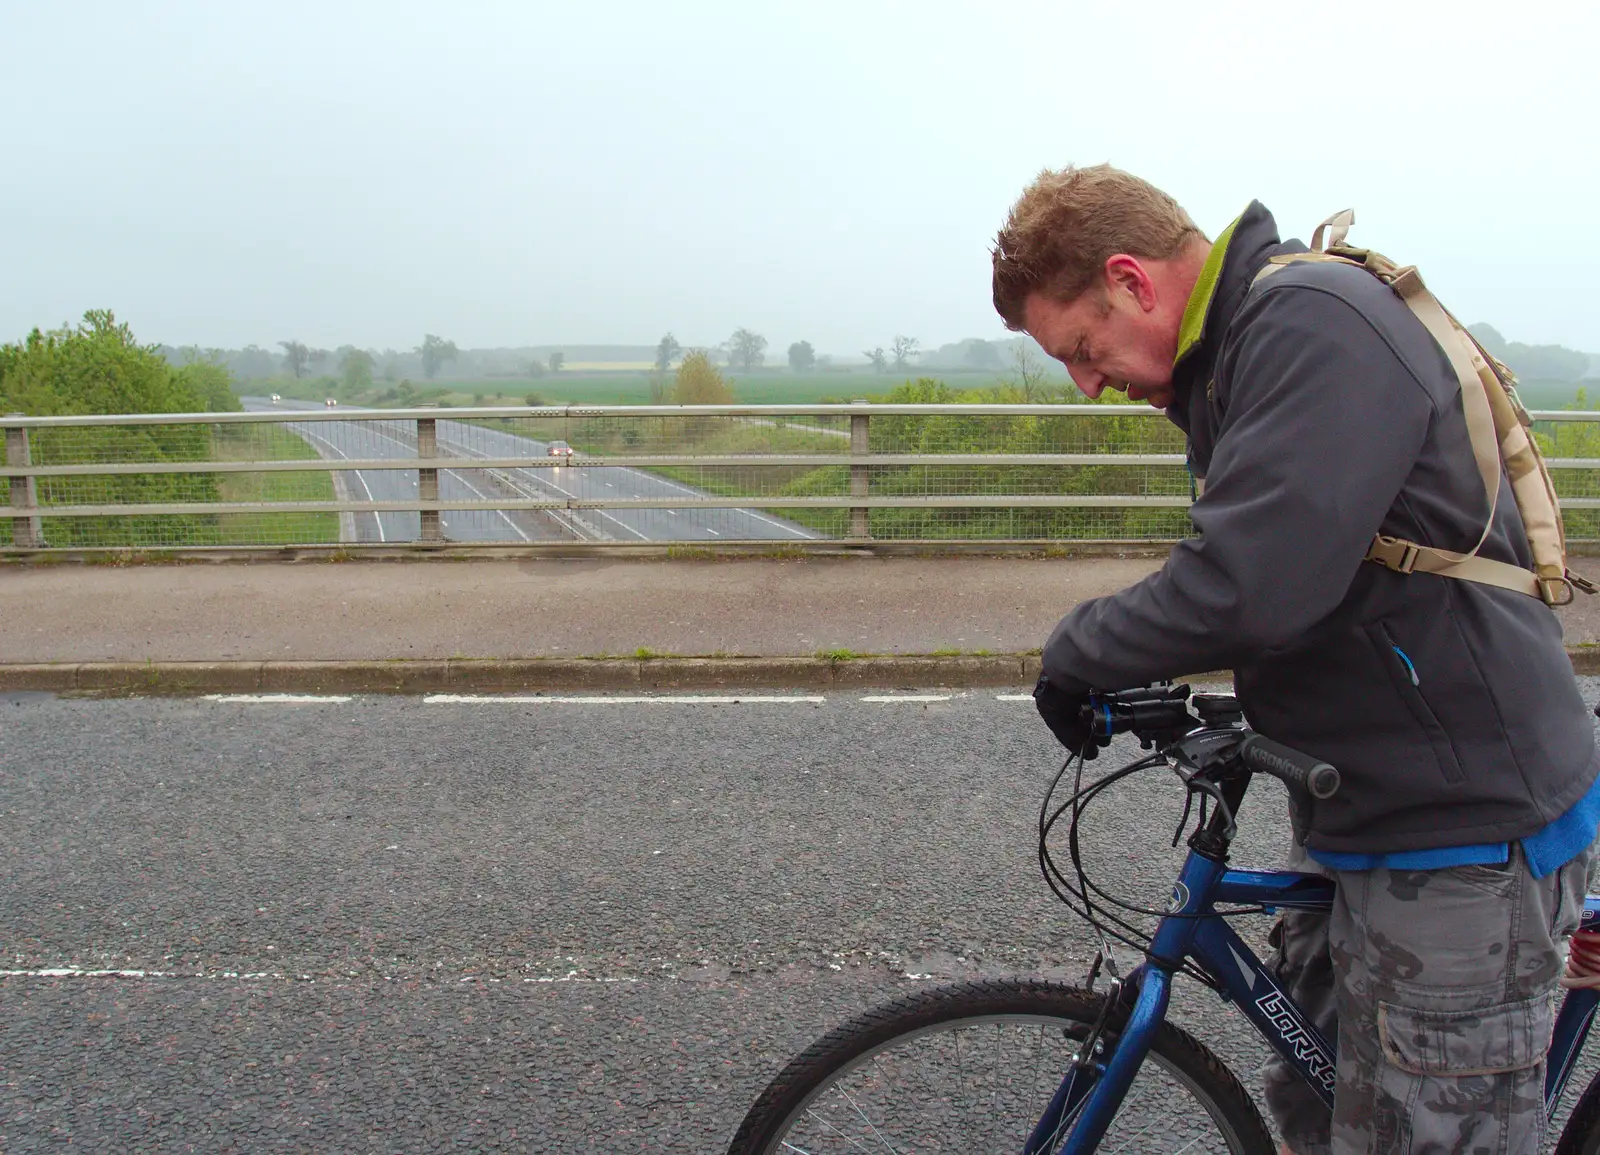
(1125, 274)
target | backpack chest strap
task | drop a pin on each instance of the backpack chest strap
(1403, 556)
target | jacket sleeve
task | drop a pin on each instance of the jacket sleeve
(1323, 424)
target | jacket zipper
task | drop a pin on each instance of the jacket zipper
(1410, 665)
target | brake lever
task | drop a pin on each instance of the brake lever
(1201, 784)
(1188, 805)
(1198, 754)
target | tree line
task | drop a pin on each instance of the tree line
(98, 366)
(747, 350)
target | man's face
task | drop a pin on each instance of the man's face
(1110, 336)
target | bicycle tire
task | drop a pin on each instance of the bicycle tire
(824, 1099)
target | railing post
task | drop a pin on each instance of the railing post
(860, 475)
(25, 530)
(428, 479)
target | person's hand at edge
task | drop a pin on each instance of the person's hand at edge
(1062, 711)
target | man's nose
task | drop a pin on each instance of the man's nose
(1089, 383)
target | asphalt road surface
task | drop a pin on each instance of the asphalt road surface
(398, 924)
(380, 439)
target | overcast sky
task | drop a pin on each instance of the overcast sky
(534, 172)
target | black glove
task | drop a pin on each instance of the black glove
(1062, 711)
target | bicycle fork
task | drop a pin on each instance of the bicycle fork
(1092, 1092)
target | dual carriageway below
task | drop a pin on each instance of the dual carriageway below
(459, 442)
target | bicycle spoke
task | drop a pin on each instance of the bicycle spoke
(830, 1125)
(870, 1125)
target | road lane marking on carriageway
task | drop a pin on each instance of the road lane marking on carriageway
(73, 972)
(657, 480)
(375, 431)
(281, 699)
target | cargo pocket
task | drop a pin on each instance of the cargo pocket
(1464, 1080)
(1485, 1041)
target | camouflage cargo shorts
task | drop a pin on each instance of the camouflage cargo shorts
(1438, 985)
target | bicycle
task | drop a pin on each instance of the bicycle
(1045, 1067)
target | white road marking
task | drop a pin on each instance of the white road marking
(620, 699)
(777, 524)
(623, 524)
(469, 453)
(121, 973)
(602, 699)
(795, 530)
(376, 517)
(506, 517)
(288, 699)
(515, 527)
(651, 477)
(83, 973)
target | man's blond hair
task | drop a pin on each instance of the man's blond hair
(1065, 225)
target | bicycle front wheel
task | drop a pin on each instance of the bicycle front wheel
(970, 1068)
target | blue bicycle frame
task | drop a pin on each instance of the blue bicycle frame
(1093, 1091)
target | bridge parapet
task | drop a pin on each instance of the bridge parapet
(801, 477)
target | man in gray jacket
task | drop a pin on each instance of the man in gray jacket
(1321, 413)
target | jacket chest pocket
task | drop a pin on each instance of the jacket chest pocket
(1406, 679)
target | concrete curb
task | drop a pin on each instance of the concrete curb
(542, 675)
(515, 675)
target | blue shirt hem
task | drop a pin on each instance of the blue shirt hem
(1546, 851)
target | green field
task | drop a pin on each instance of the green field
(775, 388)
(271, 443)
(623, 388)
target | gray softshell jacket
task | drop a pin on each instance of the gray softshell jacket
(1319, 411)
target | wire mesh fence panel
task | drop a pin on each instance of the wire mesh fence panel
(706, 435)
(620, 475)
(1042, 525)
(1574, 440)
(1115, 432)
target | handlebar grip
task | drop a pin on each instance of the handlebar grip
(1263, 754)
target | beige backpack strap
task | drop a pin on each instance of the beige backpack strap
(1407, 557)
(1495, 417)
(1498, 428)
(1339, 224)
(1274, 264)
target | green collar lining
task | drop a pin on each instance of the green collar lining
(1193, 326)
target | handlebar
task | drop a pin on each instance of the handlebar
(1152, 713)
(1160, 715)
(1310, 774)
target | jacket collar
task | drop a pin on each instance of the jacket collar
(1239, 251)
(1205, 290)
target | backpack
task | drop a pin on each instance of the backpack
(1498, 425)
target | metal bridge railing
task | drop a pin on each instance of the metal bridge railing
(803, 476)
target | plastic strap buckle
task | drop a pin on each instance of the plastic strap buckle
(1551, 591)
(1393, 553)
